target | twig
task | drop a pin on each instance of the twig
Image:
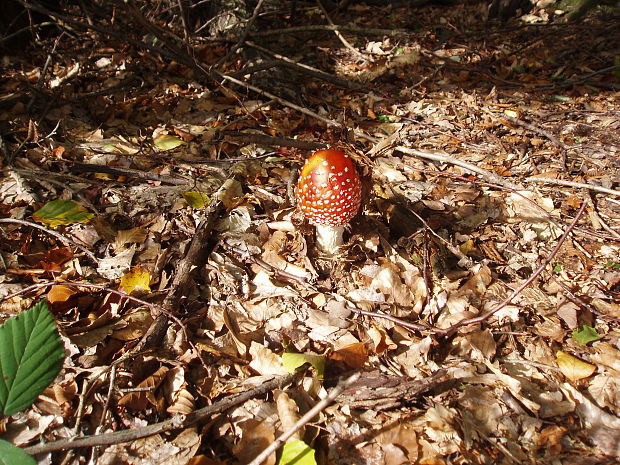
(264, 139)
(280, 100)
(445, 158)
(480, 319)
(314, 411)
(263, 264)
(44, 177)
(244, 36)
(319, 74)
(43, 73)
(132, 173)
(341, 38)
(185, 269)
(329, 28)
(532, 128)
(176, 422)
(550, 218)
(561, 182)
(393, 319)
(52, 233)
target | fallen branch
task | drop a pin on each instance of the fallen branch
(176, 422)
(59, 236)
(480, 319)
(331, 28)
(185, 270)
(561, 182)
(304, 420)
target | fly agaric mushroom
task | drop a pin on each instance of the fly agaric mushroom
(329, 195)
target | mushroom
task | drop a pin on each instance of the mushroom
(329, 195)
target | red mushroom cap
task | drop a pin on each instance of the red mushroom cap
(329, 188)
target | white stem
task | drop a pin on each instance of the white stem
(329, 238)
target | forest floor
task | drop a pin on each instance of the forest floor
(478, 296)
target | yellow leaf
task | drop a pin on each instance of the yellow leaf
(573, 368)
(136, 278)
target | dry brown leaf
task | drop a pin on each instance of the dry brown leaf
(288, 412)
(256, 435)
(354, 355)
(139, 400)
(60, 293)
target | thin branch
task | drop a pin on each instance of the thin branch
(244, 36)
(303, 68)
(480, 319)
(561, 182)
(330, 28)
(340, 37)
(52, 233)
(304, 420)
(132, 173)
(445, 158)
(176, 422)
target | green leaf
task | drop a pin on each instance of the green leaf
(586, 334)
(168, 142)
(612, 265)
(297, 453)
(291, 361)
(557, 269)
(196, 199)
(12, 455)
(62, 212)
(31, 355)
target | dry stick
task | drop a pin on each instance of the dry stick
(304, 420)
(393, 319)
(280, 100)
(244, 36)
(328, 28)
(344, 41)
(445, 158)
(132, 173)
(272, 269)
(264, 139)
(561, 182)
(124, 295)
(45, 177)
(319, 74)
(452, 329)
(480, 319)
(518, 193)
(532, 128)
(176, 422)
(52, 233)
(185, 269)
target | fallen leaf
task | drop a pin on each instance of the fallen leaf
(573, 368)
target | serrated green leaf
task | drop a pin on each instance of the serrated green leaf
(62, 212)
(12, 455)
(586, 334)
(31, 355)
(291, 361)
(168, 142)
(297, 453)
(196, 199)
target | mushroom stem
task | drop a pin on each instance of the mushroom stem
(329, 238)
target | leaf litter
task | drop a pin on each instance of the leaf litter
(433, 246)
